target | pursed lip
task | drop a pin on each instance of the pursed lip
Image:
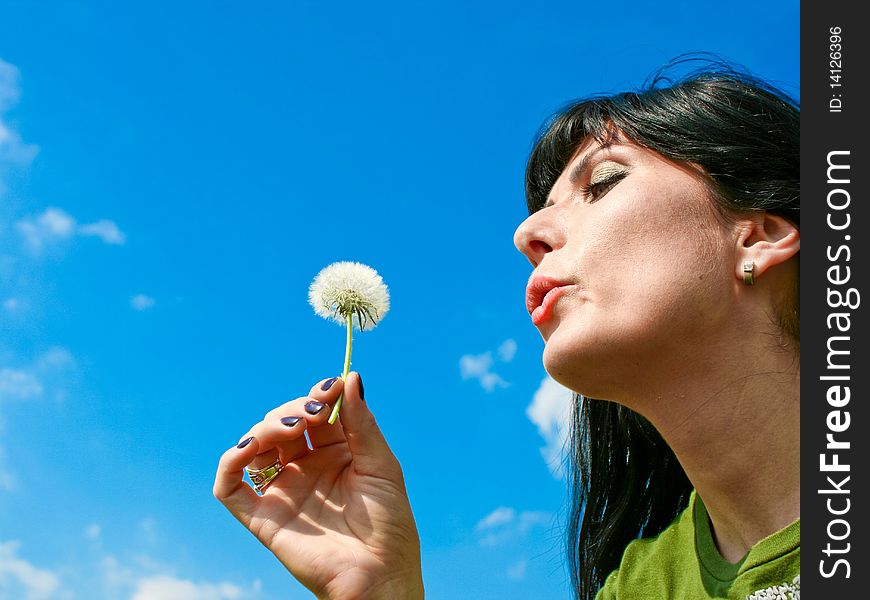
(537, 288)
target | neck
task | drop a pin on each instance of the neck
(738, 440)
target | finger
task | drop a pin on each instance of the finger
(325, 390)
(317, 407)
(265, 459)
(371, 453)
(280, 437)
(229, 485)
(282, 426)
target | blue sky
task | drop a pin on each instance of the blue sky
(174, 175)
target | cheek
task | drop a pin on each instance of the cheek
(646, 267)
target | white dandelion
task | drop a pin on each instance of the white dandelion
(354, 295)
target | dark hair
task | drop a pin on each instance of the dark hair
(744, 133)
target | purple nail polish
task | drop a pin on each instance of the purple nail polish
(245, 442)
(313, 407)
(290, 421)
(328, 383)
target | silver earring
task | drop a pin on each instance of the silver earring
(749, 273)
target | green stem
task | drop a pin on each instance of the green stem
(334, 415)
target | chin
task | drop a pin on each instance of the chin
(578, 369)
(561, 363)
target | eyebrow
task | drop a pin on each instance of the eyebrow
(578, 170)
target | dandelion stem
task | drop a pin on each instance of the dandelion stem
(347, 349)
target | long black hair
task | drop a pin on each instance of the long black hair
(625, 481)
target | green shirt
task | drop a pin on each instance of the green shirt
(683, 563)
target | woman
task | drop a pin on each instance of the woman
(664, 236)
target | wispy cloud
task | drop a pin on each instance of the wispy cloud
(22, 579)
(13, 151)
(138, 579)
(147, 579)
(104, 229)
(507, 350)
(7, 481)
(27, 382)
(479, 366)
(55, 225)
(505, 524)
(166, 587)
(149, 531)
(18, 384)
(499, 516)
(141, 302)
(550, 410)
(10, 92)
(12, 305)
(517, 571)
(55, 359)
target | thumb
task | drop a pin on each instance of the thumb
(371, 453)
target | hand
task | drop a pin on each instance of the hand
(338, 516)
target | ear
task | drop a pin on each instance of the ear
(767, 240)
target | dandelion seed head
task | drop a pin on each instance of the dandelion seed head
(353, 288)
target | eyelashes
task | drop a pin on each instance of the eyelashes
(598, 188)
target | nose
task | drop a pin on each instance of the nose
(537, 235)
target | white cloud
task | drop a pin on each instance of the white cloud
(517, 570)
(550, 410)
(507, 350)
(479, 366)
(93, 531)
(505, 524)
(104, 229)
(55, 358)
(18, 384)
(499, 516)
(55, 225)
(7, 481)
(52, 225)
(140, 577)
(530, 518)
(12, 149)
(22, 579)
(115, 575)
(166, 587)
(142, 302)
(9, 91)
(29, 382)
(149, 530)
(475, 365)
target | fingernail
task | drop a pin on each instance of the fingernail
(245, 442)
(290, 421)
(328, 383)
(313, 407)
(362, 391)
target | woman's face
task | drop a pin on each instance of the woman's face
(649, 267)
